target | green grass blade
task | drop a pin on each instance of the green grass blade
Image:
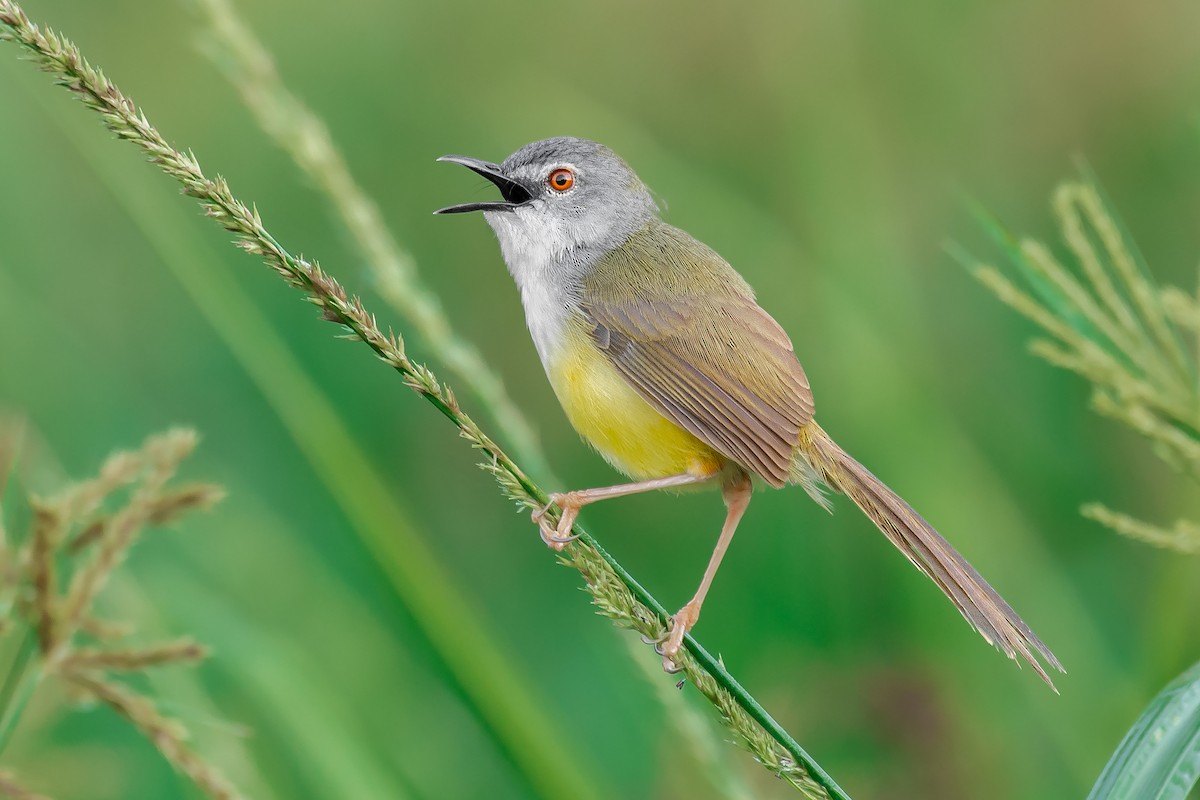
(321, 734)
(22, 678)
(1159, 758)
(1042, 288)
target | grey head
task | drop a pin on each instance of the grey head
(567, 204)
(565, 200)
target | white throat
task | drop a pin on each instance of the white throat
(538, 250)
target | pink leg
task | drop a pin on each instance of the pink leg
(737, 497)
(570, 503)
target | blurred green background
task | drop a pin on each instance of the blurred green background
(825, 149)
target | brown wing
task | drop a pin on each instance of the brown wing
(683, 328)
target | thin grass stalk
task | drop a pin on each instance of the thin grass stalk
(224, 741)
(180, 651)
(47, 529)
(163, 454)
(1195, 331)
(612, 586)
(497, 692)
(13, 556)
(1133, 274)
(166, 734)
(1183, 538)
(241, 56)
(1121, 395)
(47, 648)
(11, 435)
(1184, 310)
(1089, 359)
(321, 731)
(1008, 293)
(1038, 257)
(249, 67)
(1066, 206)
(1076, 205)
(19, 683)
(695, 732)
(1153, 427)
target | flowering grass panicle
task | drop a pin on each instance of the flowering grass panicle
(1111, 324)
(54, 572)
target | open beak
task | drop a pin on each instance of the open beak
(514, 193)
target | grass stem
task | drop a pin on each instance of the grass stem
(243, 59)
(614, 590)
(19, 683)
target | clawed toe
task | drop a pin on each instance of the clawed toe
(541, 512)
(553, 541)
(669, 664)
(668, 647)
(558, 537)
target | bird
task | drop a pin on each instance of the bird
(666, 364)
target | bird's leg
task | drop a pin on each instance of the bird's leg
(570, 503)
(737, 497)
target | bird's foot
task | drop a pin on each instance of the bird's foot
(559, 536)
(672, 643)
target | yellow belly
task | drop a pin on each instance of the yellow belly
(617, 422)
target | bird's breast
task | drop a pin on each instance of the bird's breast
(614, 419)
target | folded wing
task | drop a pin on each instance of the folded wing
(697, 347)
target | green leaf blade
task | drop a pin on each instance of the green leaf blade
(1159, 758)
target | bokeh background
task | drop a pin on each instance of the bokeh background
(827, 150)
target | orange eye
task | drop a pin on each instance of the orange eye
(561, 179)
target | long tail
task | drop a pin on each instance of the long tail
(972, 596)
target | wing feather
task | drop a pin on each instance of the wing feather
(682, 327)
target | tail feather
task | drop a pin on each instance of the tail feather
(978, 602)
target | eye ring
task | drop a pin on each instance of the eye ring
(561, 179)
